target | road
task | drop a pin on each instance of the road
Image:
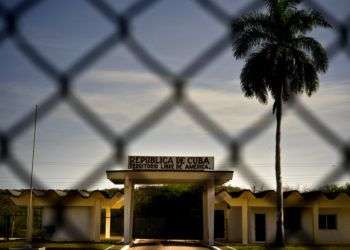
(166, 245)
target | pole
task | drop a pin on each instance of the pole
(30, 206)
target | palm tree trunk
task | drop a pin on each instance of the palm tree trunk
(280, 237)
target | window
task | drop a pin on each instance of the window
(327, 221)
(292, 219)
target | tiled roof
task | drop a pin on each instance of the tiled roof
(304, 195)
(107, 193)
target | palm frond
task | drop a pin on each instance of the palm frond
(257, 74)
(271, 4)
(318, 53)
(303, 20)
(304, 75)
(245, 42)
(311, 78)
(249, 21)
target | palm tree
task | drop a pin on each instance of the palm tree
(280, 61)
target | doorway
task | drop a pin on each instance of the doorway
(219, 224)
(260, 227)
(168, 212)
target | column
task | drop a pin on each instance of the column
(245, 222)
(128, 209)
(29, 231)
(108, 224)
(97, 221)
(315, 213)
(205, 214)
(227, 213)
(208, 212)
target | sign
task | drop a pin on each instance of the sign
(170, 163)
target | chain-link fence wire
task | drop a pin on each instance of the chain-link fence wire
(123, 34)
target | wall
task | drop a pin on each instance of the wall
(306, 232)
(270, 222)
(80, 217)
(342, 233)
(234, 224)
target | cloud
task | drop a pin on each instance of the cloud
(222, 100)
(104, 76)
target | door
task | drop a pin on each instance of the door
(219, 224)
(260, 227)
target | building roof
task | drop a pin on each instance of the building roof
(107, 193)
(110, 193)
(168, 177)
(286, 194)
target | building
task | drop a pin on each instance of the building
(241, 217)
(311, 217)
(82, 211)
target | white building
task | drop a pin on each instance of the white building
(245, 217)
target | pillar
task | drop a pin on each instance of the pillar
(245, 222)
(97, 221)
(228, 223)
(128, 209)
(315, 213)
(205, 214)
(208, 212)
(29, 231)
(108, 224)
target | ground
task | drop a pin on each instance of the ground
(168, 248)
(167, 245)
(64, 246)
(234, 247)
(161, 246)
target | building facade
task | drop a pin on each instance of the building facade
(240, 217)
(312, 217)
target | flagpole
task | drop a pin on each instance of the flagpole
(30, 206)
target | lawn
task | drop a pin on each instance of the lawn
(234, 247)
(58, 246)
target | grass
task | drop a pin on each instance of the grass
(63, 245)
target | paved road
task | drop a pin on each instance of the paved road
(158, 245)
(161, 247)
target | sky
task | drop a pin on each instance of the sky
(121, 90)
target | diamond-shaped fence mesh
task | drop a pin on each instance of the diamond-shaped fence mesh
(123, 34)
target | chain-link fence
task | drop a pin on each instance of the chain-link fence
(123, 34)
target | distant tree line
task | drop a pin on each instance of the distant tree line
(334, 189)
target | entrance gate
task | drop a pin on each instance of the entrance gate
(189, 228)
(168, 213)
(206, 177)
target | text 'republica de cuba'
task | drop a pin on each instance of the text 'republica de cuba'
(171, 162)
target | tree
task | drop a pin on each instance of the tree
(335, 189)
(280, 61)
(8, 212)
